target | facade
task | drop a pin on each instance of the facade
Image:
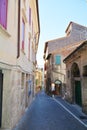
(39, 79)
(76, 73)
(54, 53)
(19, 36)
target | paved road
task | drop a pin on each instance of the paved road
(47, 114)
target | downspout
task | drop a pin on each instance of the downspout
(18, 42)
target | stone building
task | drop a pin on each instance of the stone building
(39, 79)
(54, 53)
(19, 36)
(76, 73)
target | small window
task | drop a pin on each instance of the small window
(85, 70)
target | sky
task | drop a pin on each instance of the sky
(55, 16)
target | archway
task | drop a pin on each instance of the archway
(58, 85)
(75, 70)
(76, 84)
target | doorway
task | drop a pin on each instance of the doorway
(78, 97)
(58, 85)
(76, 84)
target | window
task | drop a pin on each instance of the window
(3, 13)
(57, 59)
(23, 33)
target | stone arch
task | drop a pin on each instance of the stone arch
(76, 84)
(58, 85)
(75, 71)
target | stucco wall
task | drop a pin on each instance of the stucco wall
(15, 96)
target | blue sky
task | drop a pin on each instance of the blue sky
(55, 16)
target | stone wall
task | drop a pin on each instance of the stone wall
(15, 96)
(78, 33)
(80, 59)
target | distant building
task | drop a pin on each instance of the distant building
(54, 53)
(39, 79)
(19, 36)
(76, 73)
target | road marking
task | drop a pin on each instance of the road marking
(70, 112)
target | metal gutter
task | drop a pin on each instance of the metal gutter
(18, 42)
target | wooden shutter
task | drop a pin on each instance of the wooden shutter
(57, 59)
(3, 13)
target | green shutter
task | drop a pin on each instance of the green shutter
(58, 60)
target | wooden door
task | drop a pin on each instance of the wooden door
(78, 96)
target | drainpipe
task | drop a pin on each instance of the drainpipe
(18, 42)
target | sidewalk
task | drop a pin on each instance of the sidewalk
(74, 109)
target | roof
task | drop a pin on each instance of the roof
(68, 26)
(75, 24)
(77, 49)
(48, 56)
(46, 44)
(70, 47)
(60, 38)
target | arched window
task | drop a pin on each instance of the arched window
(75, 70)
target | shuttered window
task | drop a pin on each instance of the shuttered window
(57, 59)
(3, 13)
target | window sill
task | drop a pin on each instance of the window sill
(4, 31)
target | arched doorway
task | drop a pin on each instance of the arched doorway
(76, 84)
(58, 85)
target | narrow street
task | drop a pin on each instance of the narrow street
(47, 113)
